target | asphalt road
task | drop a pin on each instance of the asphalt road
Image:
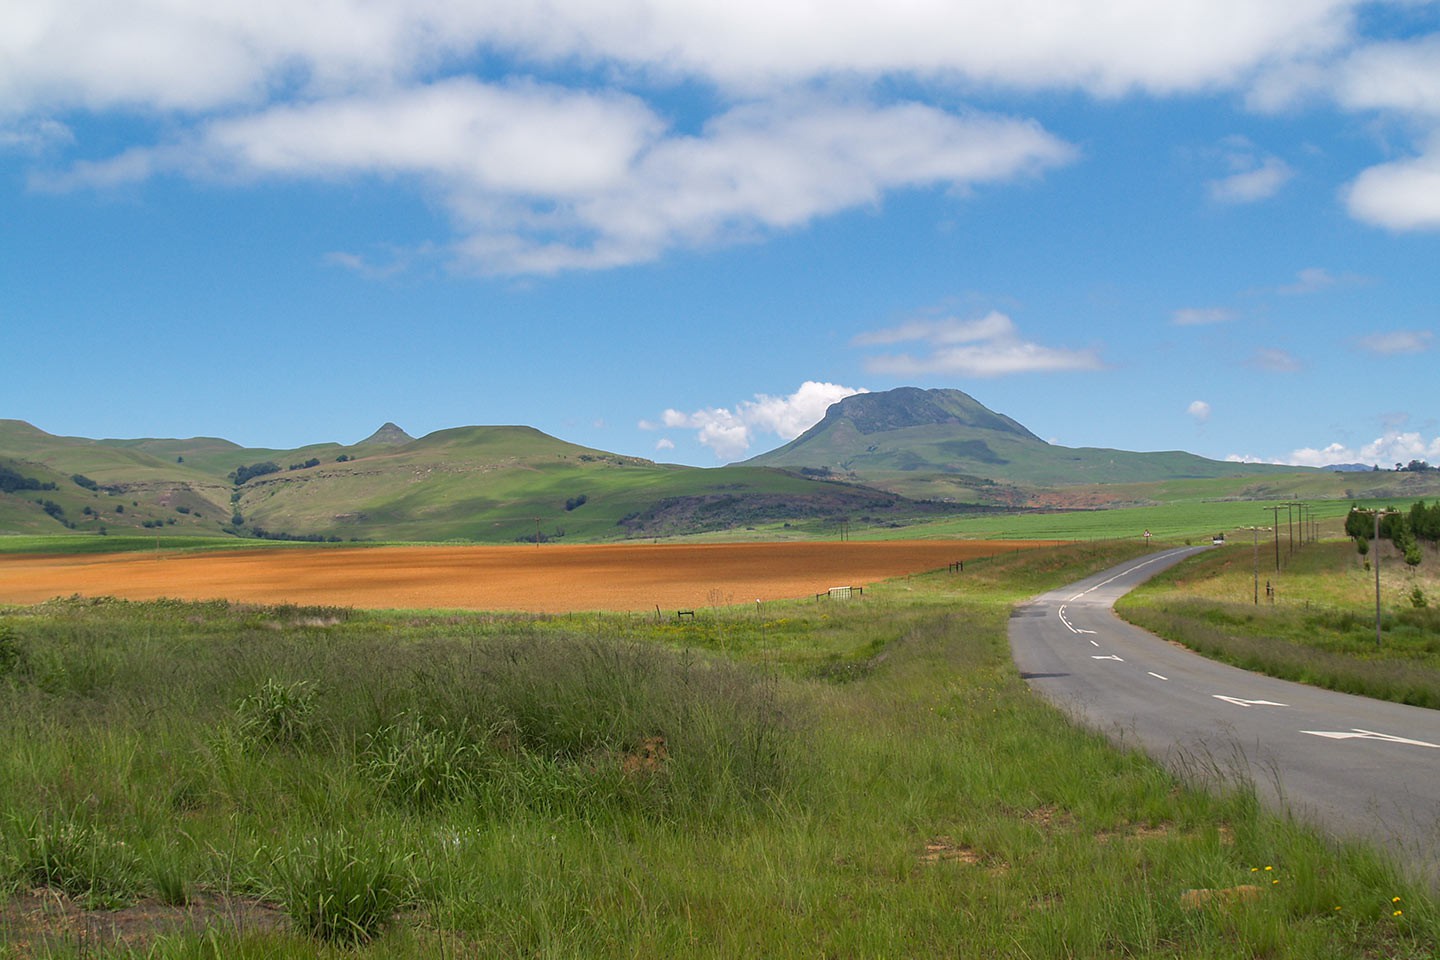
(1353, 766)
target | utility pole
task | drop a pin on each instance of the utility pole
(1376, 556)
(1275, 525)
(1290, 520)
(1255, 548)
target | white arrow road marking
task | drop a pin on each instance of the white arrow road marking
(1156, 675)
(1110, 657)
(1249, 703)
(1358, 734)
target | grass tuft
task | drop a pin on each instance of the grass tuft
(341, 888)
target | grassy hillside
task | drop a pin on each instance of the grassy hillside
(508, 483)
(910, 441)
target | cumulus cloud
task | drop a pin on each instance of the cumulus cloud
(1385, 451)
(1397, 342)
(730, 432)
(541, 178)
(1402, 195)
(1401, 76)
(990, 346)
(151, 54)
(1201, 316)
(1253, 176)
(1199, 410)
(1398, 78)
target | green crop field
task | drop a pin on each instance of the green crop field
(866, 778)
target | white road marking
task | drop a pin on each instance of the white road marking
(1156, 675)
(1249, 703)
(1358, 734)
(1110, 657)
(1094, 643)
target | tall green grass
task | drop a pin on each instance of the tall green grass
(1315, 621)
(867, 778)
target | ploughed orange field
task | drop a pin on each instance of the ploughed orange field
(547, 579)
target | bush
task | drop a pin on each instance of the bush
(241, 474)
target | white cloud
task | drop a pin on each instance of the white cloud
(1400, 195)
(1275, 360)
(731, 432)
(1200, 316)
(986, 347)
(1397, 342)
(1402, 76)
(34, 135)
(664, 443)
(1310, 280)
(1254, 175)
(160, 54)
(540, 178)
(1199, 410)
(1386, 451)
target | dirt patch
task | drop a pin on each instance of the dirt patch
(41, 921)
(547, 579)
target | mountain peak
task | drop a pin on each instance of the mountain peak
(389, 435)
(906, 407)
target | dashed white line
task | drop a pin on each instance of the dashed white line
(1157, 676)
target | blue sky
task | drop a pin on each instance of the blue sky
(681, 229)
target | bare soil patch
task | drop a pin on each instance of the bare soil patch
(546, 579)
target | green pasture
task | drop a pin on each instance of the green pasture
(861, 779)
(1196, 521)
(1307, 614)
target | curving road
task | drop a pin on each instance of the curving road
(1357, 767)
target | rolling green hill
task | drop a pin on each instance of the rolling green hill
(490, 484)
(904, 458)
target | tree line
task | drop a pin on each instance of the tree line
(1403, 528)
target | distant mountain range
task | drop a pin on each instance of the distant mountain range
(886, 458)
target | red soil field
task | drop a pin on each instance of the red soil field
(547, 579)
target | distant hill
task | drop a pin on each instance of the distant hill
(489, 484)
(910, 439)
(389, 434)
(876, 460)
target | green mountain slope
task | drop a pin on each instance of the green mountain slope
(923, 441)
(491, 484)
